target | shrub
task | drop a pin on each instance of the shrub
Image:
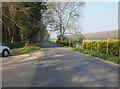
(13, 45)
(94, 45)
(113, 46)
(66, 43)
(102, 46)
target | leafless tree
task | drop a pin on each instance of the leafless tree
(63, 17)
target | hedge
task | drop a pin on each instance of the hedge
(13, 45)
(113, 46)
(66, 43)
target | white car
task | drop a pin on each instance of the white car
(4, 50)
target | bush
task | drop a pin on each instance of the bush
(66, 43)
(113, 46)
(13, 45)
(102, 46)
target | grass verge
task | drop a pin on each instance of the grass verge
(23, 50)
(55, 43)
(108, 57)
(53, 40)
(103, 56)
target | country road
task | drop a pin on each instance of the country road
(55, 66)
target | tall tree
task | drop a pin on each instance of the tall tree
(63, 17)
(22, 21)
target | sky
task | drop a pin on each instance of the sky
(99, 16)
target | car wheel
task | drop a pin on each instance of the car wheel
(5, 53)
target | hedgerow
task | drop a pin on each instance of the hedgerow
(66, 43)
(14, 44)
(113, 46)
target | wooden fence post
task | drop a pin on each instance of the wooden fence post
(98, 46)
(91, 45)
(83, 43)
(119, 48)
(119, 51)
(87, 45)
(107, 46)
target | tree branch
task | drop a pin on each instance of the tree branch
(12, 20)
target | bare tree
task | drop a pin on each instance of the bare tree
(63, 17)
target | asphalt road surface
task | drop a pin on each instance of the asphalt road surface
(55, 66)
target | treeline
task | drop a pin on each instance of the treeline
(104, 35)
(22, 22)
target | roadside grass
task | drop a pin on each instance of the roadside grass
(55, 43)
(108, 57)
(103, 56)
(53, 40)
(23, 50)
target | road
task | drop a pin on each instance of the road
(55, 66)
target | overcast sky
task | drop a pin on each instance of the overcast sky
(99, 16)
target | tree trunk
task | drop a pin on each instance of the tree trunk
(61, 37)
(69, 42)
(12, 39)
(61, 34)
(35, 20)
(83, 44)
(22, 38)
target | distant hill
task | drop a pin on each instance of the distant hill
(103, 35)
